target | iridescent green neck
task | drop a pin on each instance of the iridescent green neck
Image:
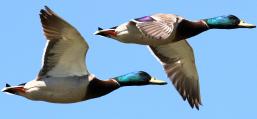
(133, 79)
(223, 22)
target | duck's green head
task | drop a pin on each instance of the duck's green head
(137, 79)
(227, 22)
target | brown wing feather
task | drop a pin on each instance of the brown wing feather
(179, 64)
(160, 28)
(155, 30)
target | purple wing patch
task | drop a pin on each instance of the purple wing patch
(145, 19)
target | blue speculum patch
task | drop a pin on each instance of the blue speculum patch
(145, 19)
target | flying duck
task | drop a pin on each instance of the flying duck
(165, 35)
(64, 77)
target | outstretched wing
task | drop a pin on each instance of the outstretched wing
(178, 61)
(65, 49)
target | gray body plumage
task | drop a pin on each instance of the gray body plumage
(58, 89)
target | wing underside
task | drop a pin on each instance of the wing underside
(179, 64)
(65, 49)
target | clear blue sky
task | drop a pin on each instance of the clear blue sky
(226, 60)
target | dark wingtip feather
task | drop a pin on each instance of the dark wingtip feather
(197, 107)
(49, 10)
(43, 14)
(46, 7)
(185, 90)
(46, 11)
(191, 104)
(42, 11)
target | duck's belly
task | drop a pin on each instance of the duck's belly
(59, 90)
(147, 41)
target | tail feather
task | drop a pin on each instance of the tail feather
(23, 84)
(7, 85)
(12, 89)
(99, 29)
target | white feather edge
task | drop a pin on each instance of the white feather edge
(43, 55)
(154, 55)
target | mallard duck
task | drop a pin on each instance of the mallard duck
(64, 77)
(165, 35)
